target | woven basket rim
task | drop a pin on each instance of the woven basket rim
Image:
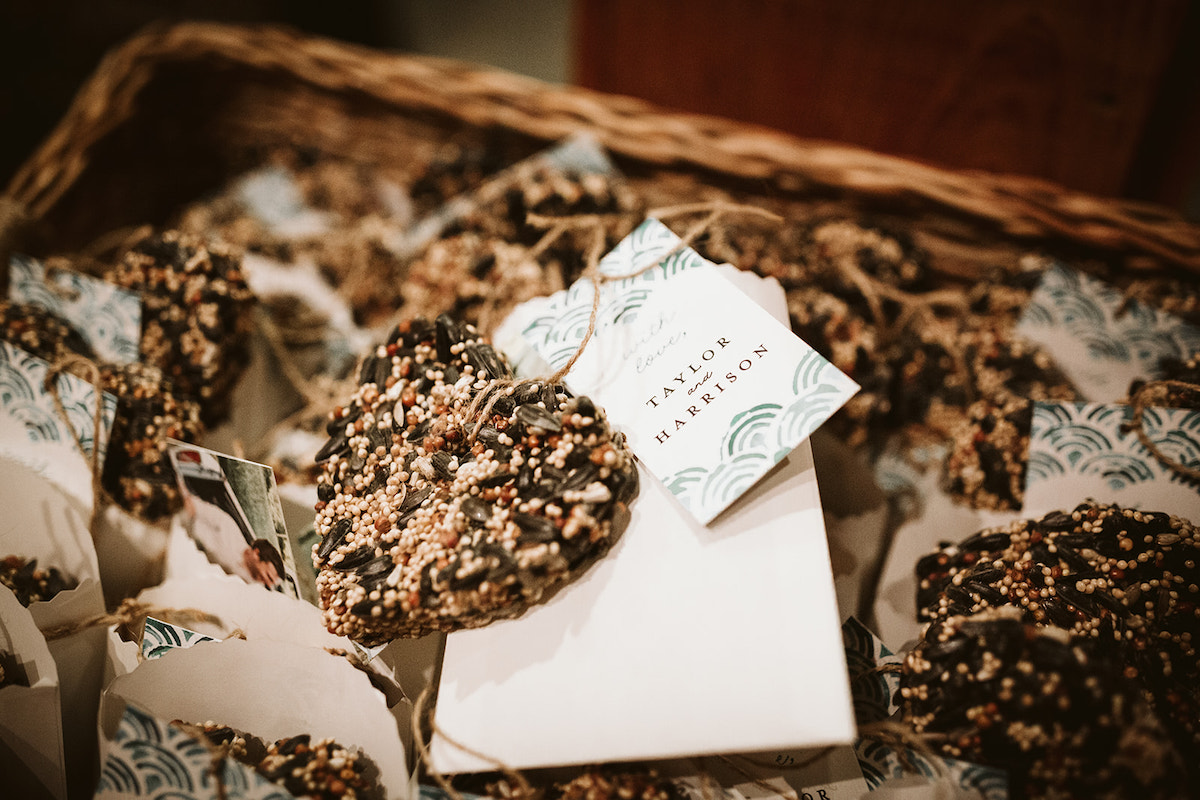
(1014, 205)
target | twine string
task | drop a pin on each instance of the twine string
(216, 753)
(67, 363)
(129, 612)
(903, 739)
(485, 400)
(1155, 393)
(420, 717)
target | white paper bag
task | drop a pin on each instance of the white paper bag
(270, 689)
(48, 520)
(31, 740)
(684, 640)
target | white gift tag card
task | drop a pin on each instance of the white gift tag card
(710, 389)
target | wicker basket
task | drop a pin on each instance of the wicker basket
(178, 110)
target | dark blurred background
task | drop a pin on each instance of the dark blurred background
(1098, 95)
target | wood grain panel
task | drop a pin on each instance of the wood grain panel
(1053, 89)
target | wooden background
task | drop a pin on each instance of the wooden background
(1098, 95)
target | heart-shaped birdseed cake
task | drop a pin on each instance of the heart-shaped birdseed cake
(427, 525)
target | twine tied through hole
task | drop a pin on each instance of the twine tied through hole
(483, 402)
(91, 371)
(420, 717)
(1158, 393)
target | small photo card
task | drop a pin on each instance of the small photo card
(1079, 451)
(108, 317)
(28, 406)
(710, 389)
(1101, 339)
(236, 515)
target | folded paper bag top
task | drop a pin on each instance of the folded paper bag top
(270, 689)
(48, 520)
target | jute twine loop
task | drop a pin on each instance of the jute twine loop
(902, 739)
(481, 406)
(420, 717)
(129, 612)
(1157, 393)
(216, 753)
(320, 395)
(75, 364)
(876, 671)
(912, 306)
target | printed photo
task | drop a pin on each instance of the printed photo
(236, 516)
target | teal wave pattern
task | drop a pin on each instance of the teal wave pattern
(732, 477)
(1111, 328)
(158, 637)
(874, 695)
(880, 762)
(154, 760)
(1043, 467)
(1094, 439)
(562, 318)
(108, 317)
(23, 396)
(762, 436)
(749, 429)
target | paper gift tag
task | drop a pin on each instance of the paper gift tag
(108, 317)
(236, 515)
(711, 390)
(31, 738)
(558, 685)
(683, 640)
(1079, 451)
(28, 408)
(1101, 340)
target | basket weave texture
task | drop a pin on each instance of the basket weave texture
(169, 113)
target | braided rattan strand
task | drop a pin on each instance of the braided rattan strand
(1016, 206)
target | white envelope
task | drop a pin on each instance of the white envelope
(684, 640)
